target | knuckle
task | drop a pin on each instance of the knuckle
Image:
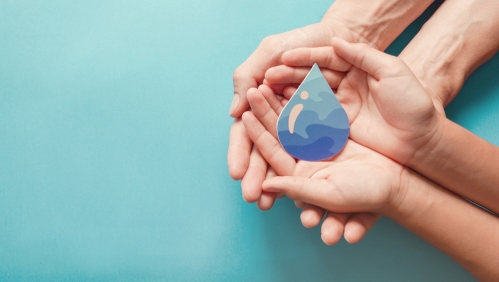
(239, 73)
(329, 57)
(269, 41)
(273, 42)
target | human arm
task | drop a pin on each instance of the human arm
(359, 180)
(443, 58)
(376, 23)
(463, 162)
(463, 231)
(391, 113)
(459, 37)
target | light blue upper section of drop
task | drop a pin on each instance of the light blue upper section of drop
(320, 108)
(319, 91)
(315, 84)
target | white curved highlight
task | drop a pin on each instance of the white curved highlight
(295, 111)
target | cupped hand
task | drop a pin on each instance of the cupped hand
(388, 109)
(265, 109)
(244, 161)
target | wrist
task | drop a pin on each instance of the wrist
(441, 79)
(353, 23)
(376, 23)
(410, 198)
(424, 152)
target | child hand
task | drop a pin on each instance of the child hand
(353, 226)
(358, 180)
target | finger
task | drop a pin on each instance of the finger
(296, 75)
(271, 98)
(311, 216)
(333, 226)
(268, 146)
(279, 88)
(299, 204)
(266, 201)
(319, 192)
(268, 198)
(240, 146)
(325, 57)
(251, 184)
(368, 59)
(271, 173)
(284, 102)
(243, 80)
(358, 225)
(251, 73)
(289, 91)
(262, 110)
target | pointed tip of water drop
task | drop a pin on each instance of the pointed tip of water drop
(314, 72)
(315, 68)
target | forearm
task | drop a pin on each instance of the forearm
(459, 37)
(458, 228)
(375, 22)
(462, 162)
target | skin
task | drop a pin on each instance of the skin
(335, 224)
(394, 125)
(376, 23)
(360, 180)
(382, 125)
(405, 127)
(441, 57)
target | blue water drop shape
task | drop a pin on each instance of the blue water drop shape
(313, 126)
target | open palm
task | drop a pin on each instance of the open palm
(388, 109)
(261, 125)
(358, 180)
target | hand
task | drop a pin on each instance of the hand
(357, 180)
(354, 226)
(244, 161)
(388, 109)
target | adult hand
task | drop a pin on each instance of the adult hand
(388, 109)
(377, 24)
(243, 159)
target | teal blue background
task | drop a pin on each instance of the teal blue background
(113, 137)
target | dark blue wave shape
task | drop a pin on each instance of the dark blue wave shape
(335, 117)
(322, 143)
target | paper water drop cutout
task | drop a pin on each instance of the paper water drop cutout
(313, 126)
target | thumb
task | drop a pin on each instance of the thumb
(368, 59)
(242, 83)
(250, 74)
(318, 192)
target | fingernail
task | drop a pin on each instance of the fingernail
(235, 103)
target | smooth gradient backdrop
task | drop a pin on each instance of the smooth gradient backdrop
(113, 140)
